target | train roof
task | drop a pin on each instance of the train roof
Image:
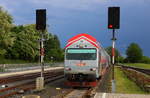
(85, 36)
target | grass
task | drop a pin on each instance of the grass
(139, 65)
(124, 85)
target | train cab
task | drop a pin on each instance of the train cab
(83, 59)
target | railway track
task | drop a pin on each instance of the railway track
(28, 85)
(145, 71)
(138, 75)
(88, 92)
(77, 93)
(84, 92)
(24, 76)
(26, 82)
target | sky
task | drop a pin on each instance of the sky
(67, 18)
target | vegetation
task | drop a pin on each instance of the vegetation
(145, 59)
(124, 85)
(121, 59)
(142, 80)
(139, 65)
(53, 50)
(134, 53)
(118, 56)
(6, 37)
(109, 51)
(21, 42)
(25, 45)
(12, 61)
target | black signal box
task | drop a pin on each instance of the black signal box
(41, 19)
(113, 17)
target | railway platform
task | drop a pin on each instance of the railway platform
(116, 95)
(28, 72)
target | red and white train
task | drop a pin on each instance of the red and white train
(85, 61)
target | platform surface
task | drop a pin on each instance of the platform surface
(28, 71)
(115, 95)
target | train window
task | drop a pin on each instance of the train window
(81, 54)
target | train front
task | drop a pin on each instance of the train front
(81, 60)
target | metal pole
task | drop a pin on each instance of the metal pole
(113, 53)
(42, 55)
(40, 80)
(113, 60)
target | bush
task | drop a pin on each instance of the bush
(134, 53)
(145, 59)
(121, 59)
(126, 60)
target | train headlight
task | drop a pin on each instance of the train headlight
(68, 69)
(93, 69)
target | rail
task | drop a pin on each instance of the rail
(139, 76)
(146, 71)
(89, 92)
(28, 83)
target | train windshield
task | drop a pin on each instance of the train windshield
(81, 54)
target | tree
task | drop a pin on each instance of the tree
(117, 53)
(21, 42)
(121, 59)
(134, 53)
(109, 51)
(26, 44)
(6, 37)
(53, 49)
(145, 59)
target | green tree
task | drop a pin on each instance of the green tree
(26, 44)
(145, 59)
(134, 53)
(121, 59)
(117, 53)
(21, 42)
(6, 37)
(53, 49)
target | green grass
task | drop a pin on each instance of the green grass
(124, 85)
(139, 65)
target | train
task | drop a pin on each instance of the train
(85, 61)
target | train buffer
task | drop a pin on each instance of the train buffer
(117, 95)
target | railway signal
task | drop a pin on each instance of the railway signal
(41, 26)
(41, 19)
(113, 17)
(113, 23)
